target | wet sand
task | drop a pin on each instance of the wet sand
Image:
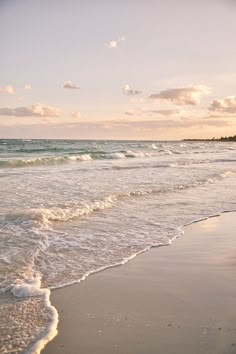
(178, 299)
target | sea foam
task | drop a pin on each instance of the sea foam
(31, 288)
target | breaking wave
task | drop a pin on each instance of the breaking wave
(45, 216)
(54, 160)
(43, 161)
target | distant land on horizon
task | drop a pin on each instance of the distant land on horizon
(226, 138)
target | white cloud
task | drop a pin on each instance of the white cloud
(182, 96)
(8, 89)
(27, 87)
(76, 115)
(225, 105)
(70, 85)
(36, 110)
(112, 44)
(128, 91)
(115, 42)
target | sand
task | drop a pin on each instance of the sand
(178, 299)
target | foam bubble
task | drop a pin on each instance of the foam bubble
(27, 288)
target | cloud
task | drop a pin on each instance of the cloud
(128, 91)
(130, 112)
(182, 96)
(166, 112)
(173, 123)
(76, 115)
(226, 105)
(36, 110)
(70, 85)
(161, 112)
(8, 89)
(27, 87)
(113, 44)
(110, 129)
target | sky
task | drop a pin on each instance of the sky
(127, 69)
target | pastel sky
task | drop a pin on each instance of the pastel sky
(127, 69)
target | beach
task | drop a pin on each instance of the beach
(173, 299)
(74, 211)
(117, 177)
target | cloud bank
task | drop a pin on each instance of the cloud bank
(158, 129)
(225, 105)
(182, 96)
(70, 85)
(36, 110)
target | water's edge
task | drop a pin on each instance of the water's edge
(52, 329)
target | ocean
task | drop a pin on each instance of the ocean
(71, 208)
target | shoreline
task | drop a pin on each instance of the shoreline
(112, 310)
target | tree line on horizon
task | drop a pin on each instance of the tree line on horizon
(223, 138)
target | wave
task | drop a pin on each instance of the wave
(179, 231)
(137, 167)
(54, 160)
(43, 161)
(27, 287)
(46, 216)
(114, 155)
(61, 155)
(31, 287)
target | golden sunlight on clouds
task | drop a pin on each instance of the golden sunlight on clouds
(8, 89)
(182, 96)
(225, 105)
(36, 110)
(76, 115)
(70, 85)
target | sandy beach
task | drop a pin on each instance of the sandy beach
(173, 299)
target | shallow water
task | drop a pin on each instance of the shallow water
(70, 208)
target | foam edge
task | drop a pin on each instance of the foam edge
(51, 330)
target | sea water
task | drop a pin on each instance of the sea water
(72, 208)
